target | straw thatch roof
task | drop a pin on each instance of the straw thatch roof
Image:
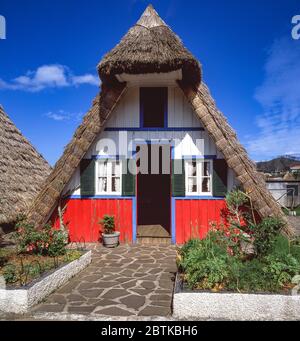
(84, 136)
(235, 154)
(151, 47)
(22, 171)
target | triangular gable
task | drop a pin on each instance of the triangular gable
(132, 57)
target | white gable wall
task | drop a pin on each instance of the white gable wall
(180, 113)
(127, 115)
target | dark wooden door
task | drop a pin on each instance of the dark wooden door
(154, 188)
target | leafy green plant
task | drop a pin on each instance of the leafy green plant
(265, 234)
(43, 241)
(204, 262)
(108, 223)
(207, 264)
(28, 239)
(58, 243)
(235, 200)
(10, 273)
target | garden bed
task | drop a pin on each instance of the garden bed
(40, 262)
(20, 300)
(19, 270)
(214, 285)
(204, 305)
(245, 268)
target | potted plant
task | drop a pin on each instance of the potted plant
(110, 237)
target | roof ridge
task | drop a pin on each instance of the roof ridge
(150, 18)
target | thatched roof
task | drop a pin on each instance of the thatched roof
(102, 106)
(234, 153)
(152, 47)
(22, 171)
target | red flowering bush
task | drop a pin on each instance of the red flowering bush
(242, 232)
(237, 229)
(44, 241)
(233, 237)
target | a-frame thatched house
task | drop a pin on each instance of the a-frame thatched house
(152, 94)
(22, 171)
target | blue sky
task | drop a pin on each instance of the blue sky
(250, 62)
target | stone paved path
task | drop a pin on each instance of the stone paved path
(125, 281)
(295, 222)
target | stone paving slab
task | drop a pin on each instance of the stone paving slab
(128, 281)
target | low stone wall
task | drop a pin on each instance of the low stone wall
(19, 301)
(234, 306)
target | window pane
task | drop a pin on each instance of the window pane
(206, 185)
(192, 185)
(116, 168)
(192, 168)
(103, 169)
(206, 168)
(102, 185)
(116, 185)
(153, 103)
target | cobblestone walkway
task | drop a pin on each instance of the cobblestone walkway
(125, 281)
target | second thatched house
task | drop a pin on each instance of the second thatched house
(22, 172)
(154, 150)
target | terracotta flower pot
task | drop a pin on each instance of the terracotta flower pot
(111, 240)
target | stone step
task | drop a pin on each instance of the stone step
(154, 240)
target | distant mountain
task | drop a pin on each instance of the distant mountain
(280, 164)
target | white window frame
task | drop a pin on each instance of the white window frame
(199, 177)
(109, 176)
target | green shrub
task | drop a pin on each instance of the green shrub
(235, 201)
(245, 256)
(10, 273)
(206, 264)
(190, 245)
(280, 269)
(108, 223)
(58, 243)
(246, 276)
(44, 241)
(265, 234)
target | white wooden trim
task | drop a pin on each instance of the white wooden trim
(109, 178)
(199, 178)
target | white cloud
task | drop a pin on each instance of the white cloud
(48, 76)
(62, 115)
(85, 79)
(279, 95)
